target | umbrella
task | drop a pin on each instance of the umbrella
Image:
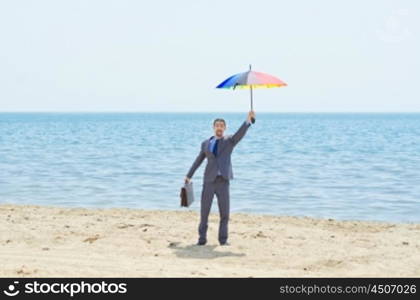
(251, 80)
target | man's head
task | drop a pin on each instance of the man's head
(219, 127)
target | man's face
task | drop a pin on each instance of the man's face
(219, 128)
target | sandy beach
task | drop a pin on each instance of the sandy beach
(40, 241)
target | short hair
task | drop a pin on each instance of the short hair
(219, 120)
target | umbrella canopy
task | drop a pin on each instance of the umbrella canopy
(250, 80)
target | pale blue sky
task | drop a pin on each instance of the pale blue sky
(169, 55)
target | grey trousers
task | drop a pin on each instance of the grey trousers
(220, 187)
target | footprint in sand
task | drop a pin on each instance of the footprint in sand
(25, 271)
(91, 239)
(146, 225)
(260, 234)
(123, 226)
(173, 244)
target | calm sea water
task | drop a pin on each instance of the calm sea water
(344, 166)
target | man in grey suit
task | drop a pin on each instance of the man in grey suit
(217, 174)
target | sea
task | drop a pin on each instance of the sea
(346, 166)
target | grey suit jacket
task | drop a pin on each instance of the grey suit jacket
(224, 151)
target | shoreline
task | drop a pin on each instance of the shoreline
(197, 211)
(56, 241)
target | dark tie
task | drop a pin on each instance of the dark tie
(215, 147)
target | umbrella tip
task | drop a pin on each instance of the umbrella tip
(250, 67)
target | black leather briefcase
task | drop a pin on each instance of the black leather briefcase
(187, 194)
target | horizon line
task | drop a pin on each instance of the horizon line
(206, 112)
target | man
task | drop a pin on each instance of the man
(217, 174)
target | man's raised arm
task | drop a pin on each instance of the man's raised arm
(240, 133)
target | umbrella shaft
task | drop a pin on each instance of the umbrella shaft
(251, 98)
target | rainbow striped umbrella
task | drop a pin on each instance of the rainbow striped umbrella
(251, 80)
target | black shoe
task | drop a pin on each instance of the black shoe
(224, 244)
(200, 243)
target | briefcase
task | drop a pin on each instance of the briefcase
(187, 194)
